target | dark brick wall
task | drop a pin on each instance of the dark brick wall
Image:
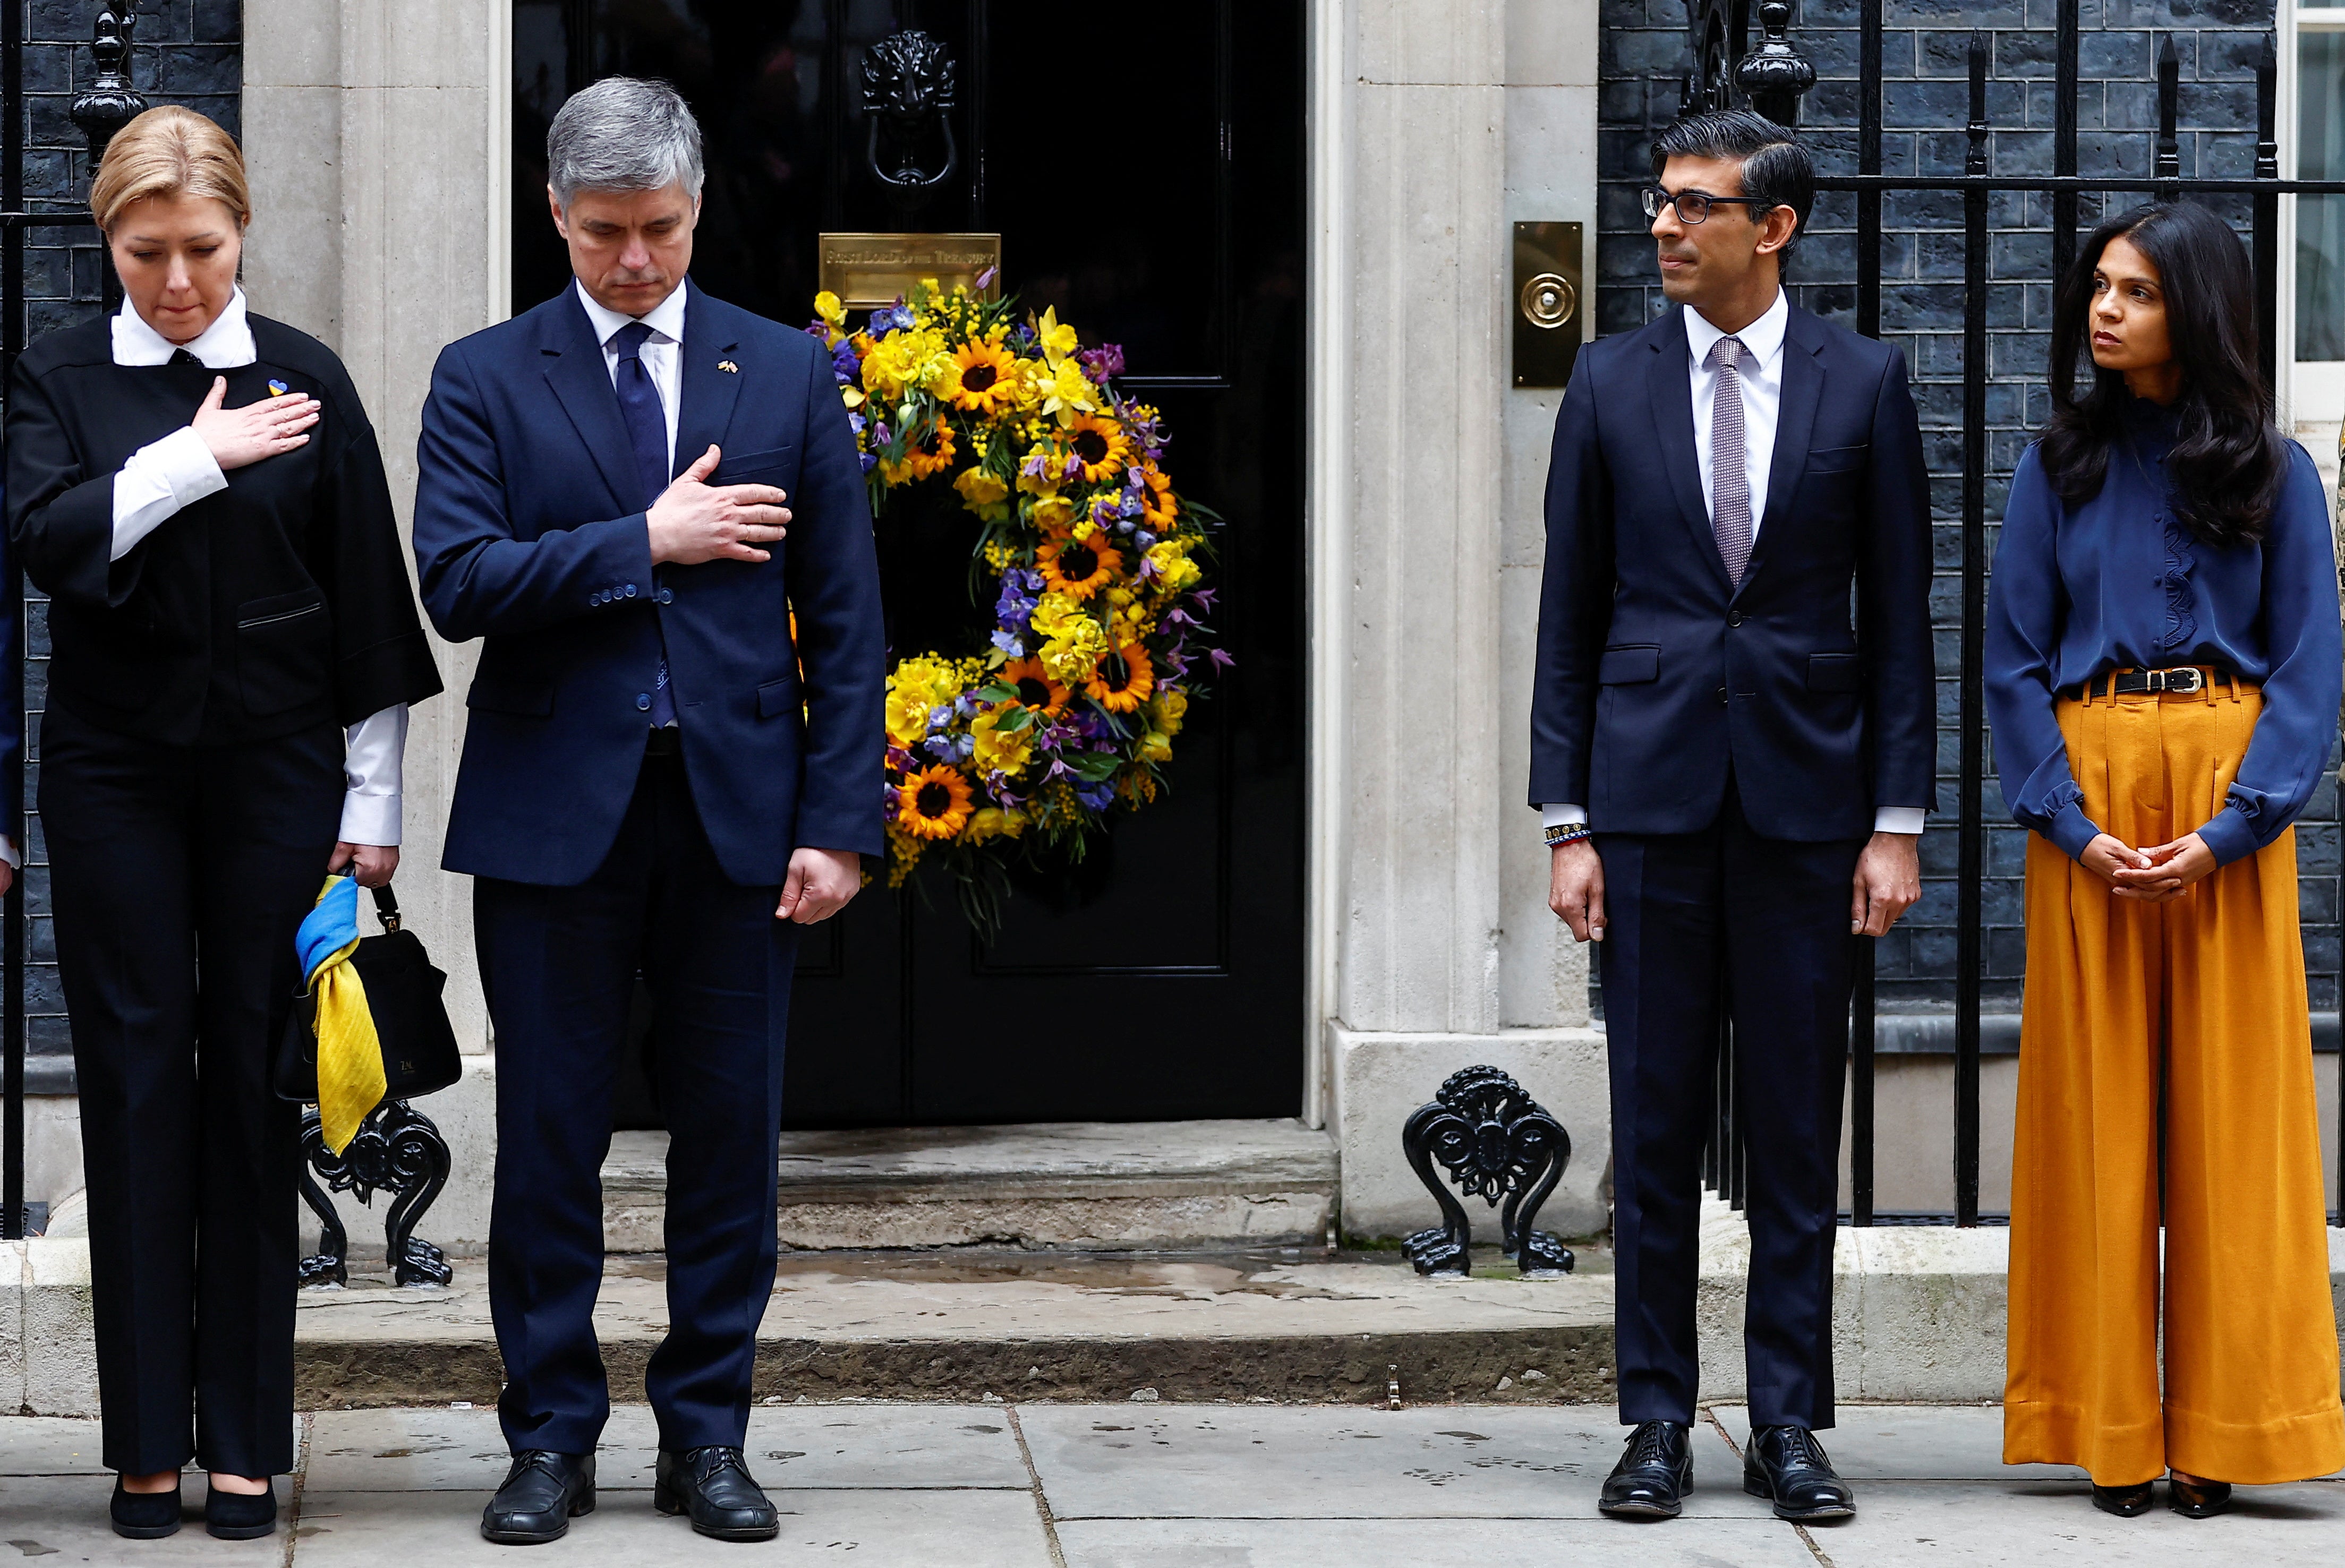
(186, 51)
(1925, 107)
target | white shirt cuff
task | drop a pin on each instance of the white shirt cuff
(11, 853)
(159, 480)
(372, 773)
(1898, 819)
(1561, 816)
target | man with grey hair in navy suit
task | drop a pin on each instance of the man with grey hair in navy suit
(629, 492)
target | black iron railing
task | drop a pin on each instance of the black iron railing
(1771, 78)
(109, 104)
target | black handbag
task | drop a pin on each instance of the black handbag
(403, 994)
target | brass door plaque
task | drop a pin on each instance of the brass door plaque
(867, 271)
(1549, 303)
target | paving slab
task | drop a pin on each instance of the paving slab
(2027, 1524)
(886, 1529)
(1409, 1543)
(48, 1445)
(61, 1519)
(790, 1446)
(1922, 1442)
(1284, 1462)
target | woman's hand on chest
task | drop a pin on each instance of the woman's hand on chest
(239, 438)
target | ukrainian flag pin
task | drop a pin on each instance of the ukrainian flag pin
(275, 389)
(728, 366)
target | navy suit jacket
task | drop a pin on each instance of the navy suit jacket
(530, 533)
(1658, 678)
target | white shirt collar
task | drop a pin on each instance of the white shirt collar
(224, 345)
(665, 318)
(1762, 339)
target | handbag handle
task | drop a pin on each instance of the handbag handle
(386, 908)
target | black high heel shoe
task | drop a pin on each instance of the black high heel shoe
(2125, 1502)
(2197, 1498)
(144, 1515)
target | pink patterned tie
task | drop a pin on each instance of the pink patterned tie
(1729, 477)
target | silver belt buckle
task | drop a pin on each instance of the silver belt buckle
(2184, 679)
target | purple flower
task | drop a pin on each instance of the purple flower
(1073, 469)
(845, 368)
(1221, 660)
(869, 460)
(1010, 643)
(1096, 797)
(1103, 362)
(1205, 597)
(879, 435)
(985, 278)
(1036, 464)
(1145, 539)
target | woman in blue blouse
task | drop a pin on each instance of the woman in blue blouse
(2163, 675)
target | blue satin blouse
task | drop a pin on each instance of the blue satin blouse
(2117, 583)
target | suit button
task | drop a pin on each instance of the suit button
(643, 701)
(631, 591)
(1734, 618)
(668, 595)
(1722, 697)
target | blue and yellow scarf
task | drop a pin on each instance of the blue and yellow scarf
(349, 1054)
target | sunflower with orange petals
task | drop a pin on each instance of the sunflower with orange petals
(930, 453)
(1077, 568)
(985, 379)
(934, 803)
(1156, 503)
(1100, 445)
(1121, 683)
(1037, 687)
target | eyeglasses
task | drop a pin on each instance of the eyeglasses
(1693, 206)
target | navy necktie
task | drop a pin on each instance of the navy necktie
(639, 405)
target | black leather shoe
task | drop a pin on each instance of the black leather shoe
(240, 1516)
(144, 1515)
(2125, 1502)
(542, 1493)
(1655, 1473)
(2195, 1499)
(713, 1485)
(1787, 1466)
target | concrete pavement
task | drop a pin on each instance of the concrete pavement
(1150, 1484)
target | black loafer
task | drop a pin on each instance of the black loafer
(1655, 1473)
(2125, 1502)
(542, 1493)
(144, 1515)
(240, 1516)
(1787, 1466)
(2195, 1499)
(713, 1485)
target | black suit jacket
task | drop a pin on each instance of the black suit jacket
(1658, 678)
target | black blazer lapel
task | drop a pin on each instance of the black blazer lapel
(709, 389)
(1795, 424)
(1670, 385)
(580, 379)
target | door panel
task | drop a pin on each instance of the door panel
(1144, 168)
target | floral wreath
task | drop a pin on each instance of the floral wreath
(1092, 557)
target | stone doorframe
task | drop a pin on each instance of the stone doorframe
(378, 134)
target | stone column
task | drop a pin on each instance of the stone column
(375, 132)
(1458, 116)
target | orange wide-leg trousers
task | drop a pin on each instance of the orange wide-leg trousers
(2187, 1018)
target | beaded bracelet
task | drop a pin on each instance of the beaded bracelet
(1566, 833)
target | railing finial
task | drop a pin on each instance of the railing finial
(110, 102)
(1774, 74)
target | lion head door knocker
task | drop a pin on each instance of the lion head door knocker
(907, 84)
(1496, 1142)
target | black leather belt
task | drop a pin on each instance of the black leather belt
(2186, 680)
(667, 741)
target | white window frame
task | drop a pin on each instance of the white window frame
(2314, 389)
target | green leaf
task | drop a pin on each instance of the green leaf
(998, 692)
(1095, 767)
(1017, 722)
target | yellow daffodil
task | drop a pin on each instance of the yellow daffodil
(1057, 339)
(1168, 709)
(1156, 746)
(980, 489)
(826, 305)
(997, 750)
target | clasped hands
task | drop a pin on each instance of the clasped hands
(2157, 875)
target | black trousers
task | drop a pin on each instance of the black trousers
(1771, 919)
(559, 966)
(179, 875)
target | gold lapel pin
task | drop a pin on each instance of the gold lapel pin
(728, 366)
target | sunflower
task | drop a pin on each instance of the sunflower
(934, 803)
(1121, 683)
(1077, 570)
(1100, 445)
(1036, 689)
(1157, 505)
(985, 382)
(930, 453)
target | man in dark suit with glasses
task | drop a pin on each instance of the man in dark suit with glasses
(1732, 769)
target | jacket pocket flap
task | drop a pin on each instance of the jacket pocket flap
(509, 697)
(777, 697)
(1837, 460)
(1834, 673)
(754, 468)
(1629, 665)
(278, 607)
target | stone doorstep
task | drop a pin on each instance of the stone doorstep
(1151, 1186)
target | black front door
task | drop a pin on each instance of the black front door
(1145, 167)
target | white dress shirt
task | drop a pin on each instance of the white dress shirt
(663, 351)
(178, 471)
(1761, 370)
